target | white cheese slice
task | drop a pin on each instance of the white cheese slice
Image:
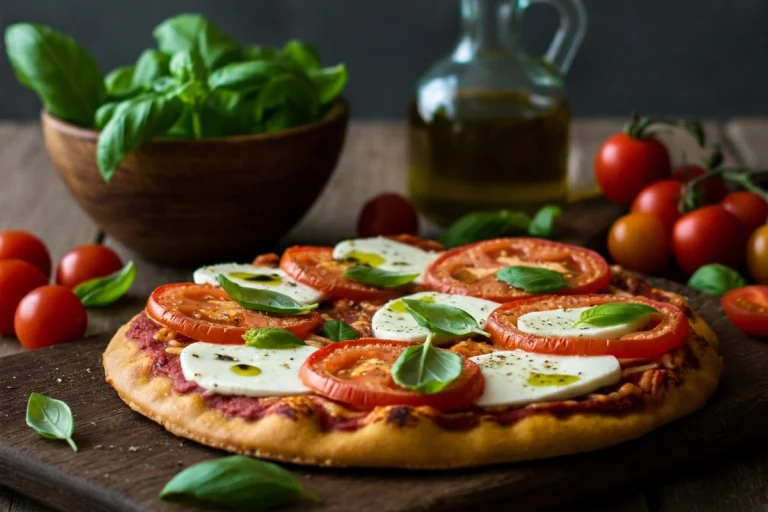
(264, 278)
(516, 377)
(559, 323)
(386, 254)
(243, 370)
(393, 322)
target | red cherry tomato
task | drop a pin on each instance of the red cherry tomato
(640, 241)
(50, 315)
(625, 165)
(25, 246)
(711, 189)
(708, 235)
(748, 308)
(660, 199)
(17, 278)
(749, 208)
(387, 214)
(86, 262)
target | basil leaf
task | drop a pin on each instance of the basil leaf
(426, 369)
(474, 227)
(152, 64)
(119, 82)
(262, 300)
(532, 279)
(716, 279)
(187, 65)
(227, 113)
(260, 52)
(51, 418)
(442, 319)
(105, 113)
(378, 277)
(195, 32)
(329, 82)
(543, 223)
(237, 482)
(288, 89)
(271, 337)
(614, 313)
(103, 291)
(243, 76)
(336, 330)
(303, 54)
(64, 76)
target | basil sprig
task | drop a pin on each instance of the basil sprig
(236, 482)
(543, 223)
(103, 291)
(716, 279)
(262, 300)
(51, 418)
(378, 277)
(614, 313)
(336, 330)
(272, 337)
(477, 226)
(532, 279)
(442, 319)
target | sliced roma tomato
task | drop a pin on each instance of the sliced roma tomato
(748, 308)
(666, 330)
(358, 373)
(471, 269)
(206, 313)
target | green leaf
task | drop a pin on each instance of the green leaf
(188, 65)
(227, 113)
(246, 76)
(119, 83)
(426, 369)
(474, 227)
(103, 291)
(543, 223)
(260, 52)
(262, 300)
(64, 76)
(716, 279)
(187, 32)
(271, 338)
(532, 279)
(105, 113)
(288, 89)
(378, 277)
(236, 482)
(329, 82)
(152, 64)
(442, 319)
(51, 418)
(303, 54)
(614, 313)
(336, 330)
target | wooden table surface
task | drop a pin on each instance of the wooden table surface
(32, 198)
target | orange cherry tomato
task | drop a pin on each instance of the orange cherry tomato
(747, 307)
(749, 208)
(757, 255)
(640, 241)
(387, 214)
(21, 245)
(711, 189)
(708, 235)
(17, 278)
(85, 263)
(661, 199)
(50, 315)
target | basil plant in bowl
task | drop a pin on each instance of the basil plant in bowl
(184, 154)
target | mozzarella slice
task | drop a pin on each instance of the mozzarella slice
(263, 278)
(393, 322)
(516, 377)
(385, 254)
(559, 323)
(244, 370)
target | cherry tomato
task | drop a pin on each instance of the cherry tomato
(661, 199)
(50, 315)
(625, 165)
(17, 278)
(387, 214)
(640, 241)
(757, 255)
(86, 262)
(749, 208)
(358, 373)
(708, 235)
(21, 245)
(711, 189)
(748, 308)
(666, 330)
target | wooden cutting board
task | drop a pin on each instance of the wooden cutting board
(125, 459)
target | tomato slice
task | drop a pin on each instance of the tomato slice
(358, 373)
(207, 313)
(471, 269)
(747, 307)
(667, 329)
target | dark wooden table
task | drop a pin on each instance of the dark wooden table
(32, 198)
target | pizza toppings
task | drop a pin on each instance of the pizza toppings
(565, 322)
(385, 254)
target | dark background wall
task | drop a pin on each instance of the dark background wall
(686, 57)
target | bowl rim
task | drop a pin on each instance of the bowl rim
(339, 111)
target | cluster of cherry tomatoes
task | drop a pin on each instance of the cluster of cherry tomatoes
(37, 313)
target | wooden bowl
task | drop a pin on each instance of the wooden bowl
(201, 201)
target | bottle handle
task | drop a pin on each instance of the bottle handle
(570, 33)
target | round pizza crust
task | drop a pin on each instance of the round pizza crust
(422, 445)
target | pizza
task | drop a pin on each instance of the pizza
(391, 352)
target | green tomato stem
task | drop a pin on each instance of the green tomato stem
(638, 127)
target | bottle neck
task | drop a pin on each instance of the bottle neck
(488, 27)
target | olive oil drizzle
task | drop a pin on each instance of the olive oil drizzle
(551, 379)
(245, 370)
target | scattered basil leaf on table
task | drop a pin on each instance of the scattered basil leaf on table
(271, 337)
(543, 223)
(336, 330)
(716, 279)
(236, 482)
(195, 32)
(262, 300)
(378, 277)
(426, 369)
(442, 319)
(51, 418)
(103, 291)
(532, 279)
(474, 227)
(614, 313)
